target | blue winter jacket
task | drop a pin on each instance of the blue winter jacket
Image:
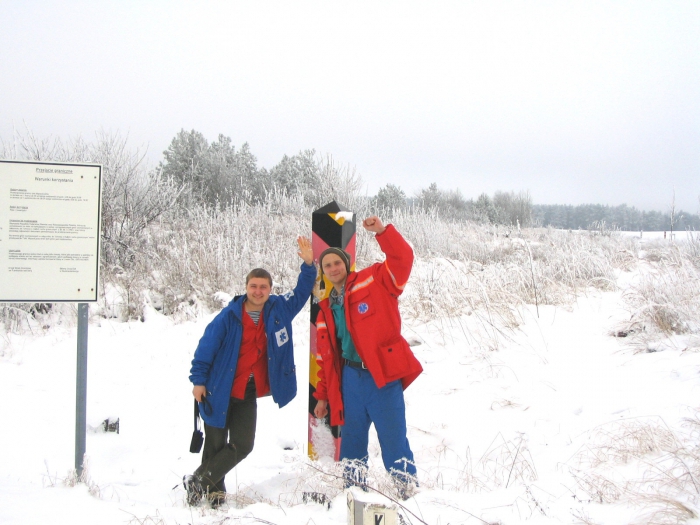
(216, 357)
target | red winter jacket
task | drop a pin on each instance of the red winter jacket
(372, 317)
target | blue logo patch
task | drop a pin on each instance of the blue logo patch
(282, 336)
(362, 308)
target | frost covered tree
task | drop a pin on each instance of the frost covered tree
(450, 204)
(185, 161)
(429, 198)
(215, 174)
(340, 183)
(218, 180)
(513, 209)
(389, 199)
(132, 196)
(297, 175)
(247, 183)
(455, 206)
(484, 210)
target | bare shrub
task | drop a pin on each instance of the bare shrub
(16, 317)
(35, 318)
(341, 184)
(132, 197)
(24, 145)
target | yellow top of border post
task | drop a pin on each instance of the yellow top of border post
(341, 216)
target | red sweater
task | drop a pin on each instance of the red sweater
(252, 359)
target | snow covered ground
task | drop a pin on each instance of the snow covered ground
(562, 424)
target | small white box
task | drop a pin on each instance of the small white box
(362, 511)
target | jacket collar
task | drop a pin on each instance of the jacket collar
(236, 306)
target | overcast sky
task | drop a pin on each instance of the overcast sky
(577, 102)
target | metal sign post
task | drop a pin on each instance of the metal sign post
(81, 389)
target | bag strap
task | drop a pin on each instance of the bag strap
(196, 415)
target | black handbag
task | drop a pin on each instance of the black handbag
(197, 436)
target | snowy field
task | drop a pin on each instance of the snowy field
(563, 423)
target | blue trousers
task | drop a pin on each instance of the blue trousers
(365, 404)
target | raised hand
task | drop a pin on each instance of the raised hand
(373, 224)
(305, 251)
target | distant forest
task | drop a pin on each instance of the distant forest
(622, 217)
(195, 173)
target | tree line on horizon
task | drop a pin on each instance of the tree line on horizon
(217, 174)
(622, 217)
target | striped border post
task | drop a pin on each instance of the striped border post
(332, 226)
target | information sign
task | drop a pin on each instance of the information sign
(49, 231)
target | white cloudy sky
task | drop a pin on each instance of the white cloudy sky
(577, 102)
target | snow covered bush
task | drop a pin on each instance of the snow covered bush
(664, 300)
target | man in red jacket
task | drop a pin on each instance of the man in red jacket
(365, 362)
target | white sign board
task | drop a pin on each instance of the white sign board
(362, 511)
(49, 231)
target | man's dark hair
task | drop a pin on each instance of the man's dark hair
(259, 273)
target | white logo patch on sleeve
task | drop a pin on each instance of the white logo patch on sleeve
(282, 336)
(288, 295)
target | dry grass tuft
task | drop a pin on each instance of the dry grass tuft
(665, 511)
(622, 441)
(147, 520)
(596, 487)
(72, 479)
(666, 299)
(507, 462)
(645, 464)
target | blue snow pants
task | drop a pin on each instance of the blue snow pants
(365, 404)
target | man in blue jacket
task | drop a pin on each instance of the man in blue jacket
(246, 352)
